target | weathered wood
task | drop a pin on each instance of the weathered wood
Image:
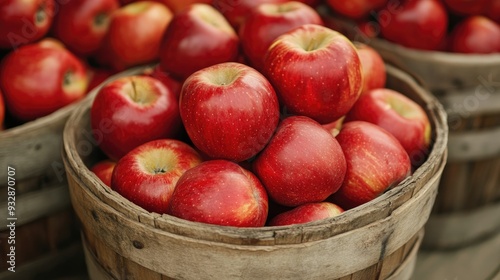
(458, 229)
(477, 261)
(37, 204)
(126, 241)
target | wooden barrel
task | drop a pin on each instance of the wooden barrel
(467, 208)
(377, 240)
(38, 225)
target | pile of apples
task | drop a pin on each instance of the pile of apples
(458, 26)
(256, 115)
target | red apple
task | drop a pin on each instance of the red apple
(467, 7)
(397, 114)
(2, 110)
(197, 37)
(134, 35)
(82, 24)
(306, 213)
(376, 161)
(316, 72)
(38, 79)
(476, 34)
(418, 24)
(374, 74)
(178, 5)
(220, 192)
(166, 78)
(104, 170)
(229, 110)
(236, 11)
(147, 175)
(302, 163)
(24, 22)
(268, 21)
(356, 9)
(131, 111)
(493, 10)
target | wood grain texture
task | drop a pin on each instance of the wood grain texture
(127, 241)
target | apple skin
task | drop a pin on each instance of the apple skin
(2, 110)
(236, 11)
(334, 127)
(229, 110)
(302, 163)
(82, 24)
(24, 22)
(38, 79)
(220, 192)
(397, 114)
(97, 76)
(475, 35)
(268, 21)
(419, 24)
(166, 78)
(147, 175)
(104, 170)
(197, 37)
(306, 213)
(493, 11)
(376, 161)
(374, 73)
(299, 65)
(466, 7)
(134, 35)
(356, 9)
(133, 110)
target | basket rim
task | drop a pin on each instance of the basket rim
(385, 201)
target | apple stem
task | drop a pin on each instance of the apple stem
(312, 44)
(159, 171)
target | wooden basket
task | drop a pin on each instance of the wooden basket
(374, 241)
(467, 207)
(46, 233)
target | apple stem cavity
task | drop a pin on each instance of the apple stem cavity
(67, 78)
(100, 19)
(40, 15)
(223, 76)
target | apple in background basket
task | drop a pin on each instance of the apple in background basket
(104, 170)
(374, 74)
(38, 79)
(302, 163)
(493, 10)
(268, 21)
(418, 24)
(376, 161)
(197, 37)
(82, 24)
(466, 7)
(147, 175)
(476, 35)
(229, 110)
(220, 192)
(236, 11)
(2, 110)
(316, 72)
(131, 111)
(356, 9)
(306, 213)
(24, 22)
(134, 35)
(97, 76)
(400, 116)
